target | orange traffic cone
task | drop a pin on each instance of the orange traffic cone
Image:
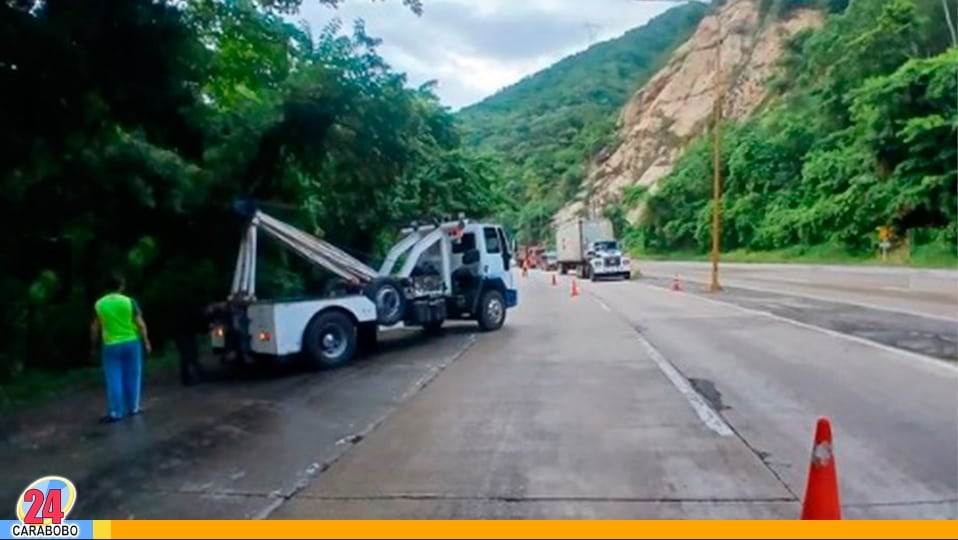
(676, 284)
(821, 492)
(554, 283)
(575, 288)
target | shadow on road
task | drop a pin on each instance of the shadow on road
(391, 342)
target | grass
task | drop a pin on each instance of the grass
(924, 256)
(36, 386)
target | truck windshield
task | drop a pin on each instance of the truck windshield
(606, 246)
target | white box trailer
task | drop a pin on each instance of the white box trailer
(573, 239)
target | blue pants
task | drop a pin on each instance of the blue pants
(122, 368)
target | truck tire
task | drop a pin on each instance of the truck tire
(390, 301)
(563, 270)
(492, 311)
(329, 340)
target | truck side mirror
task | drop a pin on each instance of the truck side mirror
(470, 257)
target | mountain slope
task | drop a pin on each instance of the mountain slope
(858, 133)
(546, 127)
(677, 103)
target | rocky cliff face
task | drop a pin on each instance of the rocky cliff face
(676, 105)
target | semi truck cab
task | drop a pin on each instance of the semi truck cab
(606, 260)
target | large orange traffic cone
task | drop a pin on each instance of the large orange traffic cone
(554, 282)
(676, 284)
(575, 288)
(821, 492)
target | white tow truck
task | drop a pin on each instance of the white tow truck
(436, 272)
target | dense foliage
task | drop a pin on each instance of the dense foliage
(863, 136)
(127, 138)
(546, 127)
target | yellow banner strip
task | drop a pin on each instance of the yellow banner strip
(102, 529)
(530, 529)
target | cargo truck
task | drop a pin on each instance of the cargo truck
(589, 248)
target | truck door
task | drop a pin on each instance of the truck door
(495, 256)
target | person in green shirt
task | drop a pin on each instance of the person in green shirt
(118, 323)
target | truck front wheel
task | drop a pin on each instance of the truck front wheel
(330, 340)
(492, 311)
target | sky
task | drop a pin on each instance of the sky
(474, 48)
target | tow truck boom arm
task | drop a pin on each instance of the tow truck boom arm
(307, 246)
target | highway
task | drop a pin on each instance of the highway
(628, 401)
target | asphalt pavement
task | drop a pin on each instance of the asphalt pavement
(918, 291)
(629, 400)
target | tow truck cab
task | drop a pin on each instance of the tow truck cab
(482, 263)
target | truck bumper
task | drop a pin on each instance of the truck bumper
(619, 272)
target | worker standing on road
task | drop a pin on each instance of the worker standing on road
(119, 322)
(196, 320)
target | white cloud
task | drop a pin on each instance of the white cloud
(474, 48)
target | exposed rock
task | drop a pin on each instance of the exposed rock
(677, 103)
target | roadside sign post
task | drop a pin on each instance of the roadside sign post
(884, 241)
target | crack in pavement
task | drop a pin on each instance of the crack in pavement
(545, 498)
(899, 503)
(207, 493)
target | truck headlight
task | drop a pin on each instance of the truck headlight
(626, 262)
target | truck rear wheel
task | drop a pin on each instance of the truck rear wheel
(492, 311)
(330, 340)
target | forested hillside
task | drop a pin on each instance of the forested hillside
(546, 127)
(862, 135)
(127, 138)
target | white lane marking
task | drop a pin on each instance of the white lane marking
(705, 412)
(930, 361)
(833, 299)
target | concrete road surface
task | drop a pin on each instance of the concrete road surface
(627, 401)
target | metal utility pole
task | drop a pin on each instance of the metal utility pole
(714, 285)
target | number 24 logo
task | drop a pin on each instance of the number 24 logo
(46, 500)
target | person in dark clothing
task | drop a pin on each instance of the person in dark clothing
(195, 320)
